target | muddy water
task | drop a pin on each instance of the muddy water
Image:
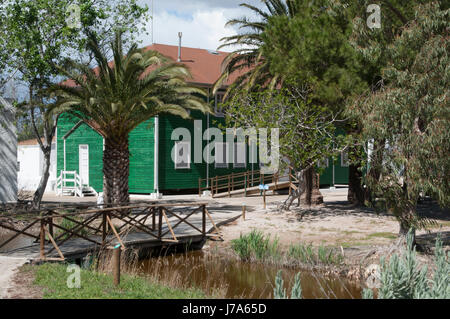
(19, 241)
(232, 278)
(243, 280)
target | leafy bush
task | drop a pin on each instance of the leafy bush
(255, 245)
(307, 255)
(402, 278)
(279, 291)
(71, 225)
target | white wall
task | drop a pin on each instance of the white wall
(31, 162)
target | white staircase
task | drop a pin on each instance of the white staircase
(69, 184)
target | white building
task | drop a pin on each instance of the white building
(8, 153)
(31, 166)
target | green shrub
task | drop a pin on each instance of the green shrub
(255, 245)
(70, 225)
(402, 278)
(307, 255)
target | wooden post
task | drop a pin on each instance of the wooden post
(199, 187)
(217, 184)
(204, 220)
(42, 240)
(243, 211)
(245, 184)
(50, 226)
(116, 265)
(229, 194)
(232, 181)
(264, 198)
(153, 219)
(104, 224)
(160, 223)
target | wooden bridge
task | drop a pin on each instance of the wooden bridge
(63, 233)
(246, 183)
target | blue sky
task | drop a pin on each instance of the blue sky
(201, 21)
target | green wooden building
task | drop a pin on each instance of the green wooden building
(152, 170)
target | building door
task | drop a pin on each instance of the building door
(84, 164)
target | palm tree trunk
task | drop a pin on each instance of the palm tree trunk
(116, 171)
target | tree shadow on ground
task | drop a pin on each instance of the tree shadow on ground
(429, 210)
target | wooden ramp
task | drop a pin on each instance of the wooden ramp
(138, 227)
(253, 190)
(246, 183)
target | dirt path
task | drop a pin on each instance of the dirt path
(8, 268)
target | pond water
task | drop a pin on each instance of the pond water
(243, 280)
(234, 279)
(19, 241)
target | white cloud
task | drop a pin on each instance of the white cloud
(201, 21)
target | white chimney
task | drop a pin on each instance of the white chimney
(180, 35)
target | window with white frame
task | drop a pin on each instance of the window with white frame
(344, 159)
(217, 107)
(182, 155)
(221, 155)
(324, 163)
(240, 155)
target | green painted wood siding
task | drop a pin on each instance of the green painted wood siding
(141, 154)
(171, 178)
(83, 135)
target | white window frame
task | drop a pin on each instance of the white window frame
(177, 143)
(235, 163)
(343, 164)
(227, 154)
(218, 100)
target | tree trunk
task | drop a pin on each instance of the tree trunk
(39, 193)
(116, 171)
(312, 195)
(356, 193)
(295, 193)
(405, 228)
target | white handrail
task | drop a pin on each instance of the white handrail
(69, 177)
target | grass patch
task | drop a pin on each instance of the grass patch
(94, 285)
(259, 247)
(382, 235)
(255, 245)
(309, 255)
(71, 225)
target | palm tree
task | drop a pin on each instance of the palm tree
(247, 60)
(116, 97)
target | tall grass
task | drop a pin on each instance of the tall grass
(255, 245)
(175, 273)
(307, 254)
(70, 225)
(259, 247)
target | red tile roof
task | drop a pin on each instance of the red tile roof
(204, 65)
(33, 141)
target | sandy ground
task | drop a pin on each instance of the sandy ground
(8, 268)
(335, 223)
